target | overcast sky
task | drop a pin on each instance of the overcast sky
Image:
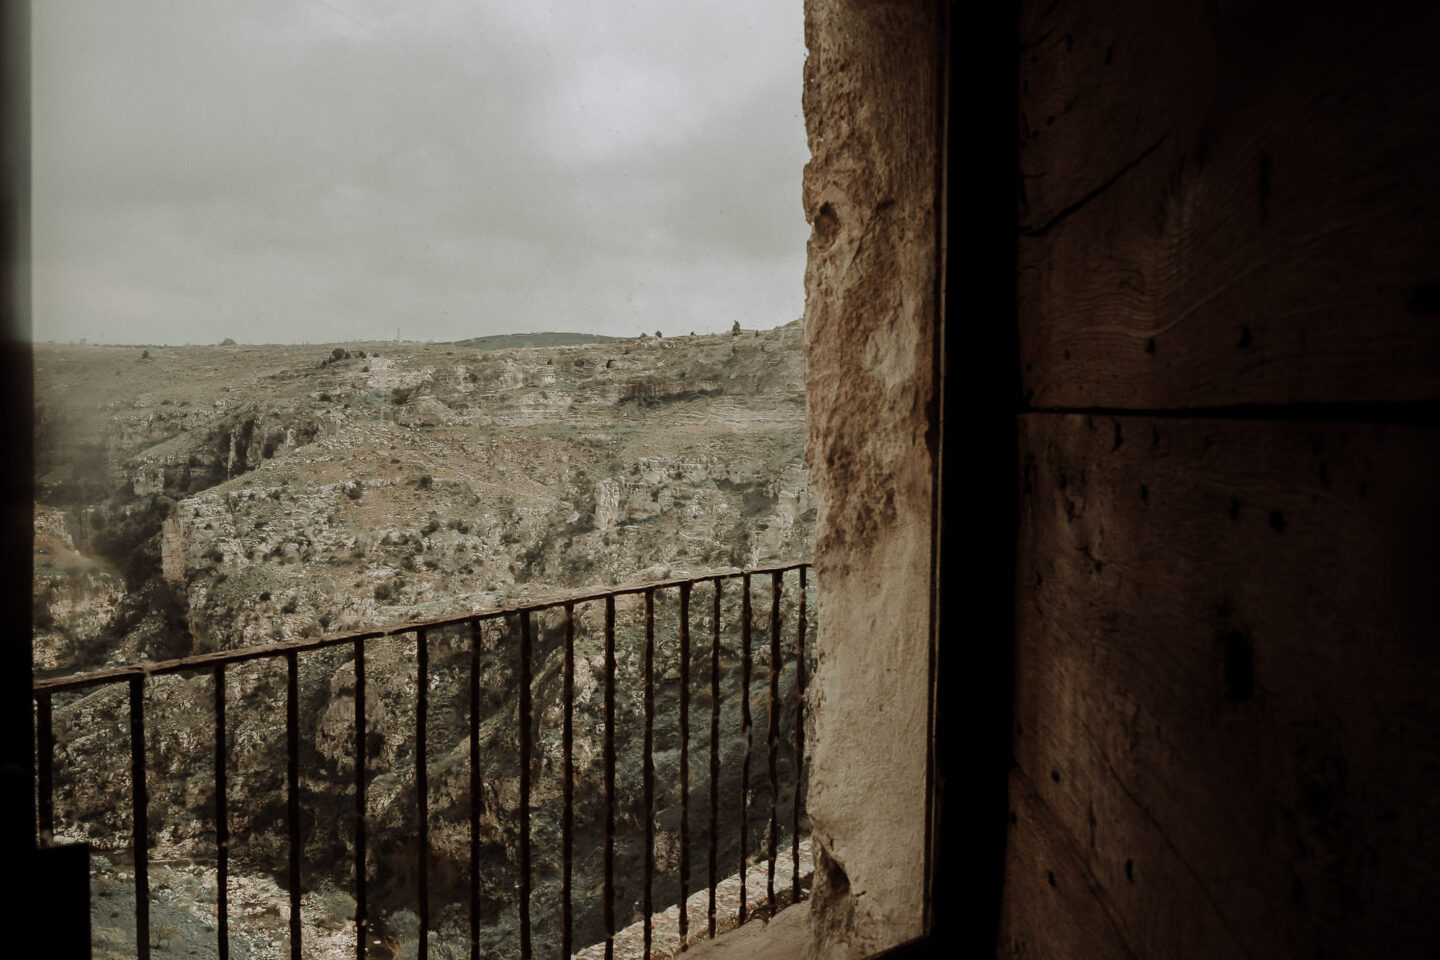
(331, 170)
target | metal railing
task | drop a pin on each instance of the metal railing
(136, 676)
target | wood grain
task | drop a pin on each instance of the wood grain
(1226, 663)
(1053, 905)
(1226, 203)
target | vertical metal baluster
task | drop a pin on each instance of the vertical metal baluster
(799, 745)
(45, 775)
(292, 812)
(525, 785)
(140, 829)
(772, 737)
(610, 777)
(745, 737)
(714, 755)
(422, 790)
(567, 822)
(361, 914)
(222, 821)
(648, 767)
(684, 762)
(475, 790)
(45, 746)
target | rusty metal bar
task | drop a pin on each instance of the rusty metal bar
(206, 661)
(524, 785)
(140, 829)
(217, 663)
(567, 816)
(684, 762)
(475, 787)
(361, 914)
(745, 732)
(648, 768)
(714, 755)
(610, 778)
(422, 791)
(799, 746)
(772, 739)
(45, 774)
(222, 822)
(292, 781)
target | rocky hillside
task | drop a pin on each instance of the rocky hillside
(202, 498)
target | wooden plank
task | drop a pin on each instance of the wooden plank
(1226, 663)
(1100, 83)
(1053, 906)
(1229, 204)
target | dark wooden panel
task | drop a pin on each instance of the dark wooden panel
(1226, 203)
(1226, 665)
(1084, 113)
(1053, 906)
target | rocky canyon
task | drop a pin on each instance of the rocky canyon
(209, 498)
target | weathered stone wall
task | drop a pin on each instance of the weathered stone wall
(871, 109)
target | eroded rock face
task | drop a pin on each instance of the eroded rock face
(246, 496)
(76, 597)
(870, 189)
(265, 492)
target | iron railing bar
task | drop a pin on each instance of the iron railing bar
(535, 606)
(200, 662)
(647, 776)
(684, 762)
(475, 787)
(524, 785)
(567, 822)
(422, 792)
(609, 778)
(745, 733)
(799, 745)
(222, 821)
(292, 781)
(45, 774)
(140, 830)
(361, 913)
(137, 675)
(772, 739)
(205, 661)
(636, 588)
(714, 756)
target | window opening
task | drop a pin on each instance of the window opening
(377, 347)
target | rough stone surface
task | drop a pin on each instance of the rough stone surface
(783, 938)
(869, 192)
(207, 498)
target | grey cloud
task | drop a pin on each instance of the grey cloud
(286, 170)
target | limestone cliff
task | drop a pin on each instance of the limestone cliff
(211, 498)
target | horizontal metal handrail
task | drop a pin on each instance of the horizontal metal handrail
(208, 661)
